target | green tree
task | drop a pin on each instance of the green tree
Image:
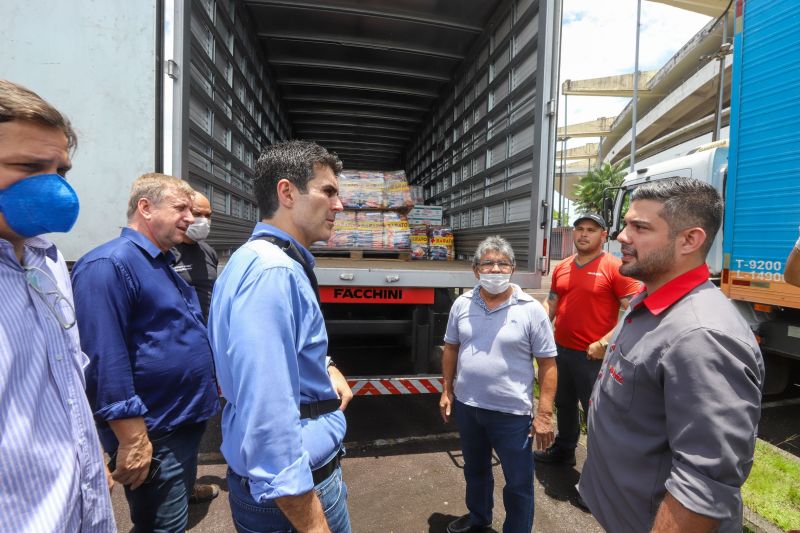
(589, 190)
(560, 218)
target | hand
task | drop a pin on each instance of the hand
(542, 431)
(446, 405)
(341, 387)
(133, 461)
(595, 351)
(109, 479)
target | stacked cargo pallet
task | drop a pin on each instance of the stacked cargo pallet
(374, 217)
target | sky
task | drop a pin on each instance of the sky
(599, 39)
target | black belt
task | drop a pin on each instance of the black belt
(317, 409)
(322, 473)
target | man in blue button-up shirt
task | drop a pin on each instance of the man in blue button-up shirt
(281, 442)
(150, 379)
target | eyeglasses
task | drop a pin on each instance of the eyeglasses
(53, 298)
(488, 266)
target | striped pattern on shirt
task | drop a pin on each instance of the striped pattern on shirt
(52, 476)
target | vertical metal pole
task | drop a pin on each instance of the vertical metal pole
(635, 87)
(721, 58)
(561, 200)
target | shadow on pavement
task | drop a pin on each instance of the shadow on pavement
(385, 449)
(437, 523)
(559, 482)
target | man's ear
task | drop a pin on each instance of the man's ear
(145, 208)
(691, 240)
(286, 192)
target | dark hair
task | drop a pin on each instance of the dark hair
(688, 203)
(20, 103)
(294, 161)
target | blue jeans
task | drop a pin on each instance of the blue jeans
(252, 517)
(161, 504)
(576, 377)
(481, 430)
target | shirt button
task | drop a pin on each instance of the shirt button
(59, 357)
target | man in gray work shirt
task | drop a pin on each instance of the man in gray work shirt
(674, 412)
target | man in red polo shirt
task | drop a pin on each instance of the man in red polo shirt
(586, 294)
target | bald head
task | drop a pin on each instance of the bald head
(201, 209)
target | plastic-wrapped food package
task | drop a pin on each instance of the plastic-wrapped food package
(398, 192)
(442, 247)
(417, 196)
(396, 230)
(362, 190)
(370, 230)
(419, 242)
(345, 230)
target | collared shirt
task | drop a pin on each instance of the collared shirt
(675, 408)
(52, 476)
(197, 265)
(496, 350)
(588, 299)
(270, 344)
(141, 327)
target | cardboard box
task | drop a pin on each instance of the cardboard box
(429, 215)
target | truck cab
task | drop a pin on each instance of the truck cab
(708, 163)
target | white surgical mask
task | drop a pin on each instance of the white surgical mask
(198, 231)
(495, 283)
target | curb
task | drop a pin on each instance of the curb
(756, 523)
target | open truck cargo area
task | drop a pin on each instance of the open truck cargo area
(460, 94)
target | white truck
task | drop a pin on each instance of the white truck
(461, 94)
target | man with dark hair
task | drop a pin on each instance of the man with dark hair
(673, 416)
(52, 476)
(585, 297)
(150, 377)
(282, 438)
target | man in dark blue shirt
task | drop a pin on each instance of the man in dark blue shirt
(150, 379)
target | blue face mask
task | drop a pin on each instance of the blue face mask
(39, 204)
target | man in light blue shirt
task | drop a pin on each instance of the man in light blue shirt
(283, 425)
(52, 476)
(494, 332)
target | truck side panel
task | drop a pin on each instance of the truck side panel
(94, 61)
(762, 208)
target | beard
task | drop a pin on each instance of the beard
(651, 266)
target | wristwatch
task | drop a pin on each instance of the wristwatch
(603, 344)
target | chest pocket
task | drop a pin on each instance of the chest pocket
(618, 383)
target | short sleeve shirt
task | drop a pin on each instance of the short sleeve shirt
(588, 299)
(496, 350)
(675, 408)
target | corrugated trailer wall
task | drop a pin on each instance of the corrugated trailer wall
(231, 111)
(476, 157)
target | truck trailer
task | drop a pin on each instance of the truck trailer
(460, 94)
(758, 175)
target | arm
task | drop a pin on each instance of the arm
(597, 349)
(267, 305)
(791, 273)
(712, 402)
(449, 360)
(543, 422)
(341, 387)
(550, 305)
(103, 303)
(672, 517)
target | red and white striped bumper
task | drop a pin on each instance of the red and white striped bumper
(387, 386)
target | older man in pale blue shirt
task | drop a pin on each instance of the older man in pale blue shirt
(282, 427)
(52, 476)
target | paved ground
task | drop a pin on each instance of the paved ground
(408, 487)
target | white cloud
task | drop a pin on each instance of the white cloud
(598, 40)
